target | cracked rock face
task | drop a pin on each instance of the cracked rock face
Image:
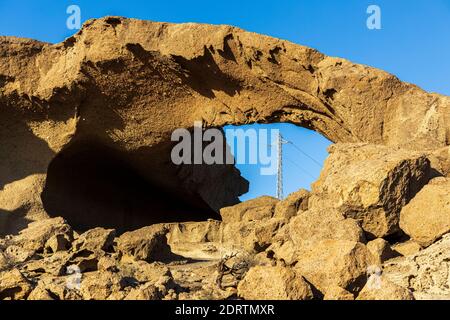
(86, 178)
(427, 217)
(108, 99)
(426, 273)
(370, 183)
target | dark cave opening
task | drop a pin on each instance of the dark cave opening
(91, 185)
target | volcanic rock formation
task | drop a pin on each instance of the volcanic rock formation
(85, 130)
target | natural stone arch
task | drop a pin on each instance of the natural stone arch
(128, 84)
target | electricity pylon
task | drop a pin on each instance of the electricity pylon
(280, 143)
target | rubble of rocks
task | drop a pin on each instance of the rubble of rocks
(264, 248)
(91, 207)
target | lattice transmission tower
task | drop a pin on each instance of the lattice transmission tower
(280, 142)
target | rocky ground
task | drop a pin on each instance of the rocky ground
(85, 132)
(360, 237)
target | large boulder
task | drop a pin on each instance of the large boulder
(425, 273)
(90, 247)
(316, 225)
(251, 210)
(384, 290)
(38, 233)
(381, 250)
(95, 239)
(292, 204)
(100, 285)
(283, 249)
(370, 183)
(250, 226)
(196, 240)
(34, 239)
(330, 263)
(4, 263)
(156, 273)
(337, 293)
(58, 242)
(194, 232)
(20, 203)
(13, 285)
(325, 263)
(54, 265)
(440, 161)
(253, 236)
(274, 283)
(148, 243)
(146, 292)
(427, 217)
(406, 248)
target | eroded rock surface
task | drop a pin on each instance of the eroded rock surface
(427, 217)
(108, 99)
(425, 273)
(385, 290)
(279, 283)
(370, 183)
(86, 126)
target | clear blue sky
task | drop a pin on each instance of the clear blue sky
(414, 43)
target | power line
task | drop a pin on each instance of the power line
(299, 167)
(279, 146)
(305, 154)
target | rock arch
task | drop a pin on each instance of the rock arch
(127, 84)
